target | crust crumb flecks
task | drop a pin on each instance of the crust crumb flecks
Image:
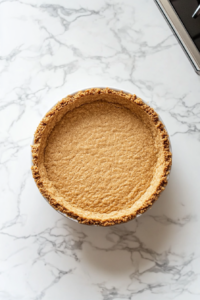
(76, 100)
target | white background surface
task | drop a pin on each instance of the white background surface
(48, 49)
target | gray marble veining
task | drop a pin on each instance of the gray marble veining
(49, 48)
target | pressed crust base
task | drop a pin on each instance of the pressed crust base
(101, 156)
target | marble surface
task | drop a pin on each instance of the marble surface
(49, 48)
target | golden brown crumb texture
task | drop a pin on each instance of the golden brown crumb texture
(114, 197)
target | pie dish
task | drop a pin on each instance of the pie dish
(101, 156)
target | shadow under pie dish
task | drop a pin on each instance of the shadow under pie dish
(101, 156)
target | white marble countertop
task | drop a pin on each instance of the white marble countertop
(50, 48)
